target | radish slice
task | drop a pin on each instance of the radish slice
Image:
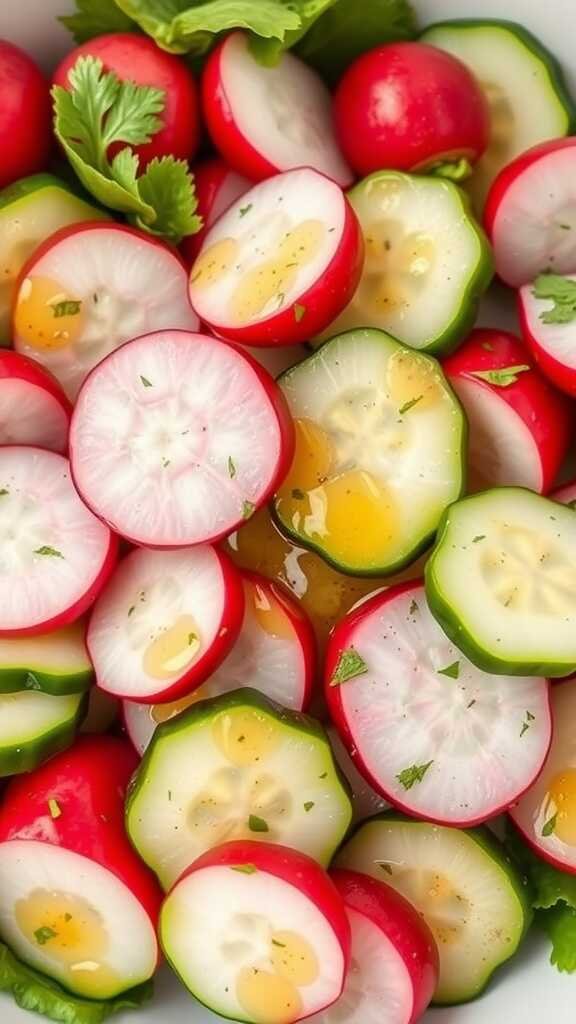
(520, 429)
(445, 741)
(366, 801)
(269, 119)
(91, 287)
(530, 214)
(165, 622)
(217, 187)
(566, 494)
(281, 263)
(258, 933)
(35, 726)
(33, 408)
(547, 314)
(275, 653)
(55, 663)
(394, 967)
(176, 438)
(546, 814)
(55, 555)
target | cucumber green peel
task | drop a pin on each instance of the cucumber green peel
(56, 663)
(26, 750)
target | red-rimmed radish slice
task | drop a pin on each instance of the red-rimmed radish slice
(566, 494)
(281, 263)
(366, 801)
(165, 621)
(33, 408)
(530, 213)
(217, 187)
(394, 965)
(547, 312)
(258, 933)
(91, 287)
(436, 736)
(55, 554)
(269, 119)
(275, 653)
(520, 429)
(177, 438)
(546, 814)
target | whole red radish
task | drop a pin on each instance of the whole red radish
(409, 106)
(25, 115)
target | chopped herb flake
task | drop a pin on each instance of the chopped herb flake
(165, 463)
(550, 826)
(231, 467)
(410, 405)
(256, 824)
(147, 383)
(4, 491)
(412, 775)
(69, 307)
(42, 935)
(245, 209)
(245, 869)
(413, 607)
(528, 719)
(48, 552)
(247, 509)
(308, 805)
(452, 671)
(479, 536)
(170, 795)
(297, 494)
(67, 917)
(503, 377)
(282, 945)
(131, 610)
(299, 312)
(561, 291)
(471, 704)
(488, 346)
(323, 776)
(386, 868)
(191, 638)
(54, 808)
(350, 664)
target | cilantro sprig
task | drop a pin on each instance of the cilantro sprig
(561, 291)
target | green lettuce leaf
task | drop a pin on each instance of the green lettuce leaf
(269, 51)
(32, 991)
(94, 18)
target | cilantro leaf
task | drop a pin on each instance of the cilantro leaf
(549, 826)
(350, 664)
(409, 405)
(503, 377)
(414, 774)
(562, 293)
(44, 934)
(69, 307)
(244, 869)
(452, 671)
(256, 824)
(48, 552)
(94, 18)
(560, 926)
(168, 186)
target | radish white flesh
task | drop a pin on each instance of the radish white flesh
(176, 438)
(34, 726)
(56, 662)
(165, 620)
(54, 554)
(91, 288)
(33, 407)
(69, 917)
(268, 119)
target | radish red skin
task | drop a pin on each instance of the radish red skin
(547, 415)
(401, 923)
(25, 115)
(209, 177)
(13, 365)
(407, 106)
(563, 376)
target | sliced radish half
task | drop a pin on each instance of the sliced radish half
(235, 767)
(281, 263)
(547, 311)
(546, 814)
(268, 119)
(275, 653)
(520, 429)
(436, 736)
(55, 556)
(530, 214)
(566, 495)
(34, 726)
(55, 663)
(91, 287)
(164, 622)
(366, 801)
(217, 187)
(258, 933)
(177, 438)
(33, 408)
(394, 961)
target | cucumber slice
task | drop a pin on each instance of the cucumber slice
(427, 261)
(34, 726)
(461, 881)
(55, 663)
(235, 767)
(501, 582)
(379, 452)
(523, 83)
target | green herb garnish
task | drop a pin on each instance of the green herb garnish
(452, 671)
(48, 552)
(256, 824)
(247, 509)
(231, 467)
(147, 383)
(308, 805)
(561, 291)
(550, 825)
(245, 869)
(68, 307)
(411, 776)
(502, 378)
(54, 808)
(350, 664)
(409, 405)
(299, 312)
(42, 935)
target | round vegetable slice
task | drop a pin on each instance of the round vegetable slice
(217, 187)
(177, 438)
(164, 622)
(566, 494)
(520, 429)
(444, 741)
(463, 884)
(257, 932)
(379, 448)
(25, 136)
(394, 966)
(91, 287)
(522, 81)
(274, 653)
(365, 800)
(266, 119)
(235, 767)
(530, 213)
(501, 582)
(55, 555)
(547, 310)
(546, 814)
(34, 726)
(55, 663)
(427, 261)
(281, 263)
(33, 408)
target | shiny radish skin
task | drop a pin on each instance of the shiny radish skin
(437, 113)
(282, 887)
(291, 312)
(393, 635)
(551, 345)
(527, 205)
(25, 117)
(520, 428)
(217, 187)
(33, 407)
(136, 58)
(138, 669)
(408, 958)
(235, 84)
(60, 601)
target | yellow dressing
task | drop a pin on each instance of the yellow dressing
(294, 958)
(396, 266)
(214, 263)
(164, 712)
(268, 612)
(267, 998)
(361, 520)
(302, 244)
(313, 456)
(409, 377)
(258, 287)
(447, 911)
(47, 316)
(561, 802)
(245, 736)
(173, 650)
